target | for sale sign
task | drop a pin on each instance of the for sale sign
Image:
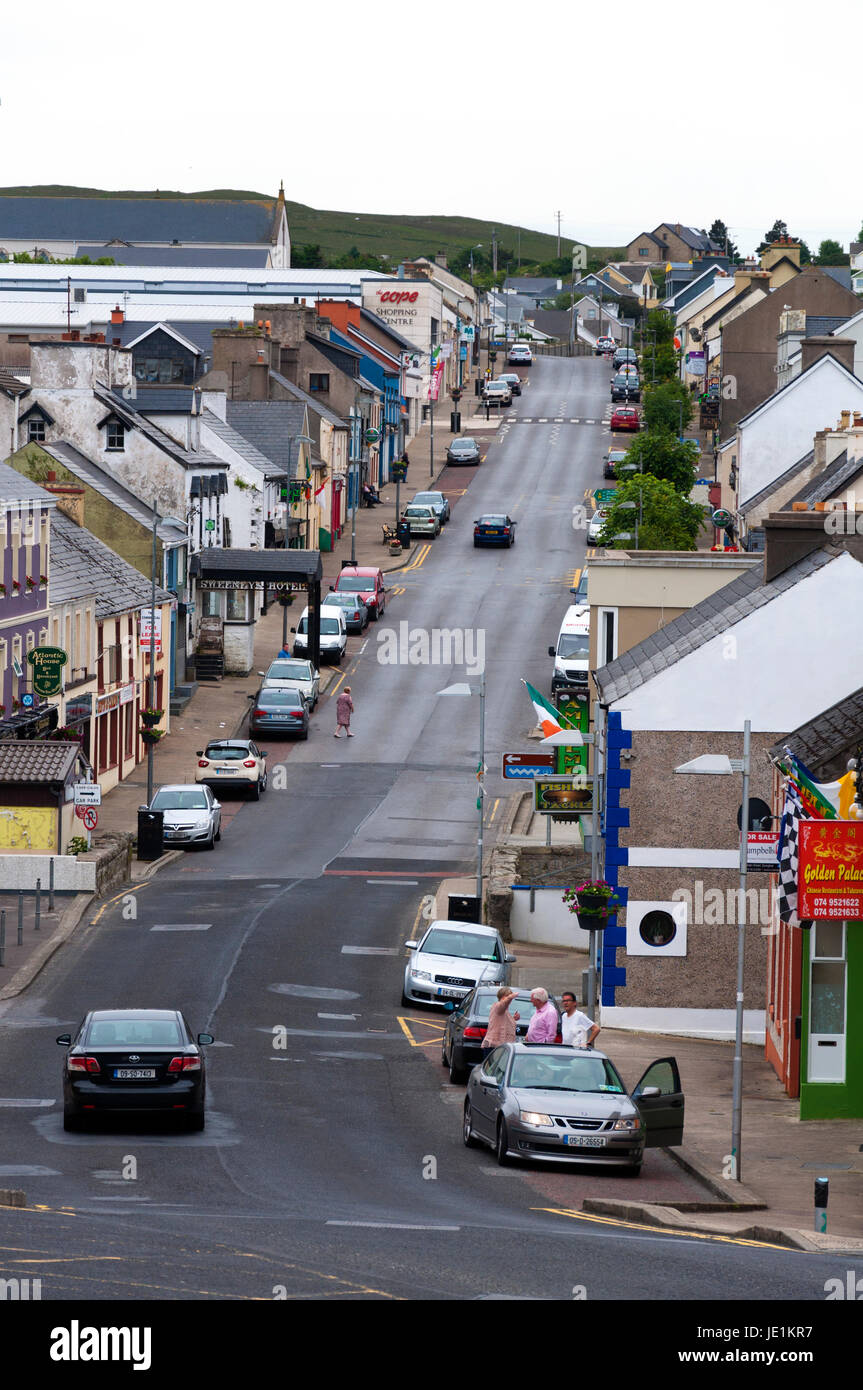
(830, 873)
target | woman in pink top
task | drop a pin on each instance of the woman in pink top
(344, 710)
(501, 1023)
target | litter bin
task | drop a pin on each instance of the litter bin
(151, 840)
(464, 908)
(403, 531)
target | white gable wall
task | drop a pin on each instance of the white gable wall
(779, 667)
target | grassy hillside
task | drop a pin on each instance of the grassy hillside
(391, 235)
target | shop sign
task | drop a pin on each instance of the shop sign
(105, 703)
(146, 630)
(127, 694)
(554, 795)
(47, 663)
(830, 870)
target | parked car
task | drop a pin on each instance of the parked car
(294, 673)
(560, 1104)
(494, 530)
(497, 393)
(571, 653)
(610, 462)
(625, 388)
(513, 381)
(368, 582)
(623, 354)
(435, 500)
(463, 450)
(191, 814)
(334, 634)
(451, 959)
(595, 525)
(424, 521)
(356, 612)
(134, 1060)
(519, 354)
(275, 711)
(625, 417)
(461, 1047)
(604, 346)
(579, 590)
(233, 762)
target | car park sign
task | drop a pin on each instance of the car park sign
(88, 794)
(524, 766)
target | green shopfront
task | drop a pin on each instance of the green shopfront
(831, 1056)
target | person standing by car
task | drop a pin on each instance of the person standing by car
(344, 710)
(501, 1023)
(577, 1030)
(543, 1026)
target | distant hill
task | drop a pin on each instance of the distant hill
(391, 235)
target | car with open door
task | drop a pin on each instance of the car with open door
(557, 1104)
(466, 1026)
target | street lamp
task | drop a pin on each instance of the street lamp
(719, 765)
(463, 688)
(631, 507)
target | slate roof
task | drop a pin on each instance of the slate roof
(161, 400)
(829, 736)
(732, 303)
(840, 273)
(86, 471)
(820, 325)
(287, 566)
(229, 256)
(706, 620)
(835, 477)
(199, 335)
(98, 220)
(12, 385)
(82, 564)
(762, 496)
(197, 461)
(37, 760)
(312, 402)
(533, 285)
(243, 446)
(272, 426)
(15, 488)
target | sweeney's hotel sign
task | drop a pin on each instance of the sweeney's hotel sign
(830, 871)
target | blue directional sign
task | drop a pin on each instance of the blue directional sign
(28, 700)
(525, 766)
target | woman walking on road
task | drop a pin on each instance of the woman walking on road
(344, 710)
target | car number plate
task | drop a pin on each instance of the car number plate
(449, 993)
(134, 1073)
(585, 1141)
(225, 771)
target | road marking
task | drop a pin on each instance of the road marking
(659, 1230)
(542, 420)
(494, 810)
(342, 1018)
(182, 926)
(116, 899)
(404, 1024)
(332, 764)
(419, 558)
(393, 1226)
(366, 1034)
(331, 690)
(13, 1103)
(558, 419)
(370, 950)
(394, 882)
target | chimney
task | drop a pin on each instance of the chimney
(70, 500)
(440, 259)
(791, 536)
(844, 420)
(821, 344)
(117, 315)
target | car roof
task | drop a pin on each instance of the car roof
(133, 1013)
(463, 926)
(180, 787)
(228, 742)
(361, 571)
(553, 1049)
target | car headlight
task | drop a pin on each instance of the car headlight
(535, 1117)
(631, 1122)
(420, 974)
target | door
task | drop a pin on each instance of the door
(826, 1052)
(486, 1098)
(662, 1114)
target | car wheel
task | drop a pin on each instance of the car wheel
(211, 843)
(219, 831)
(476, 545)
(264, 783)
(457, 1075)
(631, 1171)
(406, 1003)
(466, 1130)
(443, 1057)
(500, 1147)
(71, 1121)
(304, 734)
(255, 791)
(196, 1121)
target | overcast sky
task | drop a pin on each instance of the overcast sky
(621, 116)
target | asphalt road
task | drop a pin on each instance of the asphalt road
(332, 1164)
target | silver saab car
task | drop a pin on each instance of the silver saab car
(451, 960)
(552, 1103)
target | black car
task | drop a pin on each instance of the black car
(142, 1060)
(622, 356)
(514, 381)
(279, 712)
(461, 1046)
(625, 387)
(610, 462)
(463, 450)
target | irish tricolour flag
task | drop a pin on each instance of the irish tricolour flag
(547, 716)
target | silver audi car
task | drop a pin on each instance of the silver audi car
(451, 960)
(553, 1103)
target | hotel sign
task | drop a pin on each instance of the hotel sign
(47, 663)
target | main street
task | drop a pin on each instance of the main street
(332, 1164)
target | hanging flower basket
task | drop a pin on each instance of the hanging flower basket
(151, 717)
(30, 582)
(594, 901)
(151, 735)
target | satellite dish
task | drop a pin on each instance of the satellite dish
(759, 812)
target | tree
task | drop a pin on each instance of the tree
(667, 406)
(308, 257)
(668, 521)
(661, 364)
(830, 253)
(778, 232)
(660, 454)
(719, 233)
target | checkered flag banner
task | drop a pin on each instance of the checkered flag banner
(792, 812)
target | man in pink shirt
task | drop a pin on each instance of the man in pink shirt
(544, 1024)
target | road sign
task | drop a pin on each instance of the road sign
(88, 794)
(89, 815)
(28, 699)
(604, 494)
(527, 765)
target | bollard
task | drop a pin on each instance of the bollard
(2, 936)
(20, 916)
(51, 884)
(822, 1190)
(38, 901)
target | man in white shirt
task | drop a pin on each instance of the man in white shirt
(577, 1030)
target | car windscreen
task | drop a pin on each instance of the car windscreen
(135, 1032)
(225, 755)
(188, 799)
(463, 446)
(289, 670)
(573, 644)
(464, 944)
(355, 584)
(548, 1071)
(292, 698)
(492, 521)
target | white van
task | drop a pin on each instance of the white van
(572, 653)
(334, 634)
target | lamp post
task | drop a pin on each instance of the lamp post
(151, 696)
(719, 765)
(631, 507)
(463, 688)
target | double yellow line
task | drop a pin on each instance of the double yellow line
(420, 557)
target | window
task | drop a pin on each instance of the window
(319, 381)
(237, 606)
(607, 635)
(643, 251)
(160, 369)
(116, 436)
(211, 604)
(36, 430)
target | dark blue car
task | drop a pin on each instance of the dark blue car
(494, 530)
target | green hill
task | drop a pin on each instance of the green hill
(392, 236)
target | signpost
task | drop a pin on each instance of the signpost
(527, 765)
(90, 817)
(604, 494)
(88, 794)
(721, 517)
(830, 872)
(47, 664)
(146, 634)
(28, 699)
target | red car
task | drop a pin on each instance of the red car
(625, 418)
(366, 581)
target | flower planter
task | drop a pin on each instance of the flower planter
(592, 904)
(395, 548)
(151, 735)
(151, 717)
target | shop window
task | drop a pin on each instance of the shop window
(211, 604)
(237, 608)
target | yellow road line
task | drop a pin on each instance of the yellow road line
(658, 1230)
(419, 558)
(494, 810)
(426, 1023)
(137, 887)
(576, 575)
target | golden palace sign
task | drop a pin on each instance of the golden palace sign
(830, 872)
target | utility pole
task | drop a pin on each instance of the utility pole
(151, 697)
(558, 215)
(494, 250)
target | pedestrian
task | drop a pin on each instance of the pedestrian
(344, 710)
(501, 1023)
(543, 1026)
(576, 1028)
(284, 652)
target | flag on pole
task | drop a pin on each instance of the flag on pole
(793, 812)
(547, 717)
(820, 799)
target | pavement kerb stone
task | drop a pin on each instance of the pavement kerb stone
(12, 1197)
(734, 1196)
(650, 1214)
(65, 927)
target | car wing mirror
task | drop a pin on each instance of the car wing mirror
(65, 1039)
(551, 649)
(510, 960)
(204, 1039)
(200, 752)
(411, 945)
(649, 1093)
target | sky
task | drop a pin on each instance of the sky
(619, 118)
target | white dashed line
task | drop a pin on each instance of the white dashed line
(182, 926)
(370, 951)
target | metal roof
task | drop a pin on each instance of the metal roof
(136, 219)
(272, 426)
(242, 446)
(81, 564)
(830, 735)
(37, 760)
(699, 624)
(256, 566)
(227, 256)
(86, 471)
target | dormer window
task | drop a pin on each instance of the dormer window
(116, 437)
(36, 430)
